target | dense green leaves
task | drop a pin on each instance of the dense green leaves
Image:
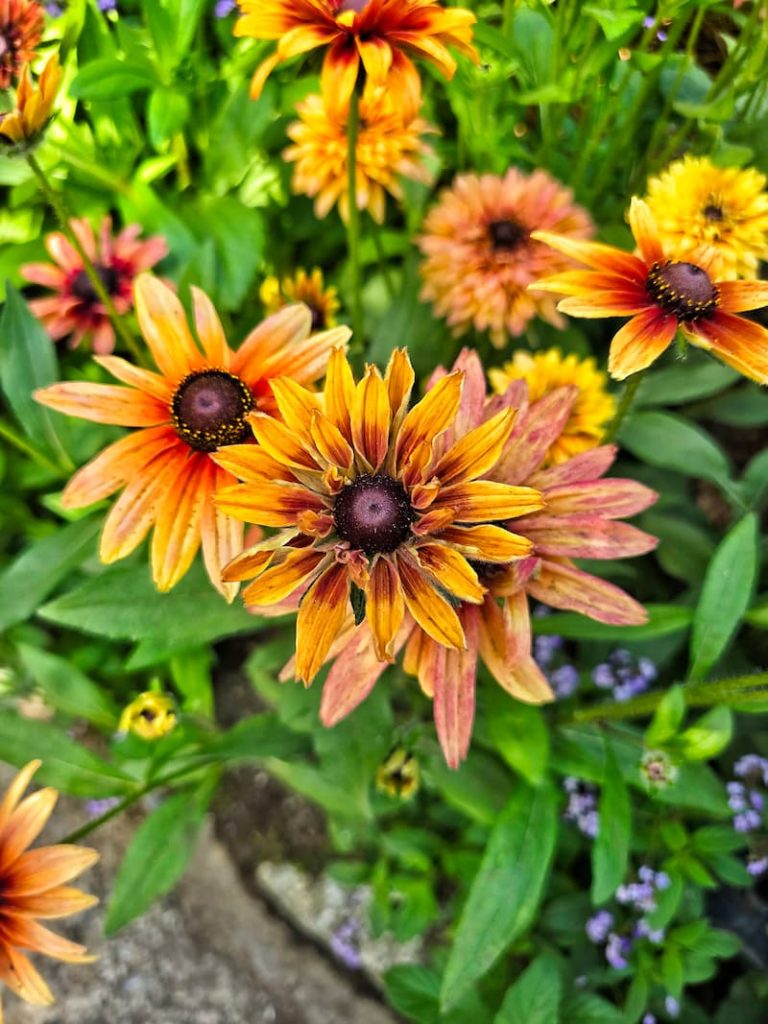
(67, 688)
(610, 852)
(667, 441)
(535, 996)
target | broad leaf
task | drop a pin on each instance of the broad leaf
(670, 442)
(67, 688)
(535, 996)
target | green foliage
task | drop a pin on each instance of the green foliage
(610, 853)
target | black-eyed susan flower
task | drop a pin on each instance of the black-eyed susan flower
(371, 505)
(543, 372)
(378, 35)
(714, 216)
(302, 287)
(579, 519)
(196, 403)
(480, 256)
(75, 309)
(389, 145)
(21, 28)
(398, 775)
(151, 716)
(33, 886)
(661, 295)
(23, 125)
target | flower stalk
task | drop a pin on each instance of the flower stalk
(625, 404)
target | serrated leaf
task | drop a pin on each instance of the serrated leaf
(610, 852)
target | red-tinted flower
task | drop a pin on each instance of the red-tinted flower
(21, 26)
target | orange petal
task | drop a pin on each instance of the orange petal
(134, 512)
(376, 54)
(280, 442)
(505, 646)
(483, 501)
(247, 564)
(339, 74)
(15, 792)
(250, 463)
(268, 504)
(25, 825)
(137, 377)
(385, 608)
(164, 326)
(610, 303)
(306, 361)
(477, 452)
(371, 419)
(741, 296)
(352, 677)
(487, 543)
(321, 617)
(454, 693)
(432, 612)
(430, 417)
(399, 379)
(47, 867)
(22, 978)
(280, 580)
(296, 405)
(595, 254)
(640, 342)
(209, 331)
(339, 392)
(222, 538)
(104, 403)
(55, 903)
(644, 229)
(451, 570)
(262, 72)
(331, 443)
(282, 330)
(177, 534)
(740, 343)
(28, 933)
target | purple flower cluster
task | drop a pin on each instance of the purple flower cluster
(625, 675)
(747, 799)
(345, 944)
(224, 8)
(564, 678)
(640, 897)
(107, 5)
(582, 806)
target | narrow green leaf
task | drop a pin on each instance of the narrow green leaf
(708, 736)
(667, 441)
(67, 688)
(507, 889)
(663, 619)
(667, 718)
(610, 851)
(108, 79)
(157, 856)
(535, 996)
(725, 596)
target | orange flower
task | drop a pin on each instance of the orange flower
(661, 296)
(33, 886)
(371, 506)
(22, 126)
(195, 404)
(21, 27)
(578, 520)
(481, 256)
(378, 33)
(388, 145)
(75, 309)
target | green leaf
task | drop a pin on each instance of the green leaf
(610, 851)
(587, 1008)
(684, 548)
(725, 596)
(312, 783)
(663, 619)
(27, 581)
(186, 17)
(121, 603)
(684, 383)
(637, 998)
(661, 439)
(67, 688)
(66, 765)
(236, 238)
(667, 718)
(521, 736)
(157, 856)
(167, 113)
(479, 790)
(108, 78)
(28, 361)
(709, 736)
(413, 991)
(614, 23)
(255, 738)
(507, 889)
(535, 996)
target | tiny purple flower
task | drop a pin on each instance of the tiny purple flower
(598, 926)
(564, 680)
(747, 821)
(224, 7)
(672, 1006)
(54, 10)
(603, 676)
(649, 22)
(545, 648)
(648, 1018)
(107, 5)
(757, 866)
(95, 808)
(617, 950)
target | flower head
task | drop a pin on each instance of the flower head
(712, 216)
(33, 884)
(150, 716)
(661, 295)
(480, 255)
(368, 497)
(302, 287)
(21, 27)
(398, 775)
(543, 372)
(376, 35)
(75, 309)
(22, 127)
(196, 403)
(389, 144)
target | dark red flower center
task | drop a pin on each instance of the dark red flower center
(82, 286)
(682, 289)
(373, 514)
(505, 234)
(318, 318)
(209, 410)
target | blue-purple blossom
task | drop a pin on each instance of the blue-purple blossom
(672, 1006)
(224, 8)
(582, 806)
(757, 866)
(644, 931)
(623, 674)
(545, 648)
(96, 808)
(564, 680)
(107, 5)
(54, 10)
(344, 944)
(641, 895)
(599, 926)
(617, 950)
(752, 766)
(649, 1018)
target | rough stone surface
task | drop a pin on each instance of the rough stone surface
(208, 954)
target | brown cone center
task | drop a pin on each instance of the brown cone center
(209, 410)
(373, 514)
(505, 234)
(682, 289)
(82, 286)
(713, 212)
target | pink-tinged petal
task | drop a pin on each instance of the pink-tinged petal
(740, 296)
(585, 536)
(104, 403)
(222, 538)
(613, 498)
(62, 252)
(640, 342)
(135, 511)
(137, 377)
(505, 645)
(586, 466)
(453, 687)
(282, 330)
(164, 327)
(116, 465)
(209, 331)
(740, 343)
(44, 274)
(533, 435)
(355, 673)
(568, 588)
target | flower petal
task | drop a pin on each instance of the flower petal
(321, 617)
(164, 326)
(137, 377)
(15, 792)
(371, 419)
(45, 868)
(451, 570)
(339, 392)
(595, 254)
(355, 673)
(55, 903)
(582, 468)
(306, 361)
(399, 379)
(477, 452)
(644, 229)
(280, 442)
(640, 342)
(487, 543)
(36, 937)
(613, 498)
(385, 608)
(740, 343)
(250, 463)
(330, 443)
(25, 825)
(209, 331)
(104, 403)
(134, 512)
(119, 463)
(178, 520)
(505, 644)
(432, 612)
(429, 417)
(284, 329)
(483, 501)
(586, 536)
(741, 296)
(564, 586)
(296, 406)
(268, 504)
(278, 581)
(21, 977)
(453, 684)
(533, 434)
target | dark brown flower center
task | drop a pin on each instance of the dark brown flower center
(682, 289)
(209, 410)
(82, 286)
(505, 234)
(373, 514)
(318, 318)
(713, 212)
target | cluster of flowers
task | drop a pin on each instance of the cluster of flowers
(582, 806)
(746, 798)
(624, 675)
(640, 899)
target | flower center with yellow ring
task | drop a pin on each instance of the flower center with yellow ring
(682, 289)
(209, 410)
(505, 234)
(373, 514)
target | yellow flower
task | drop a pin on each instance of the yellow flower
(716, 216)
(34, 885)
(389, 144)
(302, 287)
(398, 775)
(544, 372)
(20, 127)
(151, 716)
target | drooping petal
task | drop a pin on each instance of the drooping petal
(454, 693)
(432, 612)
(740, 343)
(640, 342)
(104, 403)
(505, 644)
(31, 935)
(278, 581)
(355, 672)
(564, 586)
(17, 972)
(385, 608)
(321, 617)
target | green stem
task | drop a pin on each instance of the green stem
(353, 224)
(56, 202)
(382, 258)
(625, 404)
(27, 448)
